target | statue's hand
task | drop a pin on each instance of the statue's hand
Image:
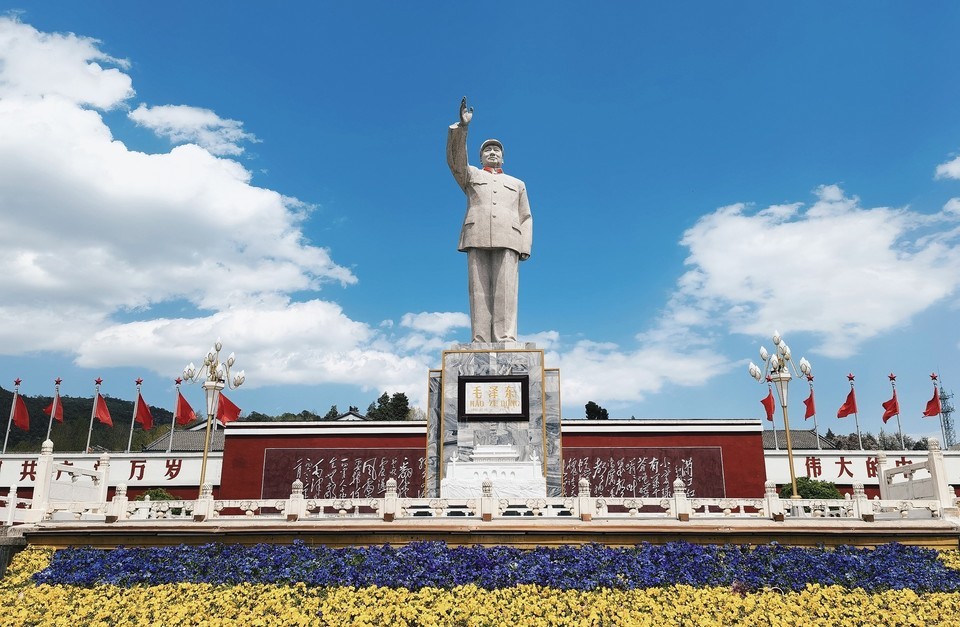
(466, 114)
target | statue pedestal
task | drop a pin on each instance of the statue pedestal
(494, 412)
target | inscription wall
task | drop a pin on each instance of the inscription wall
(644, 472)
(332, 473)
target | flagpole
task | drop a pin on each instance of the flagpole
(133, 419)
(173, 420)
(13, 406)
(893, 385)
(53, 405)
(816, 427)
(776, 436)
(93, 411)
(856, 416)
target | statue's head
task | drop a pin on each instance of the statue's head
(491, 154)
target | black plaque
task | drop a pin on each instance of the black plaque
(493, 406)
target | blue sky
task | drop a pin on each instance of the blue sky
(699, 175)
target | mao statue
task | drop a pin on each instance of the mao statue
(497, 233)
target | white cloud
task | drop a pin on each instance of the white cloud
(839, 271)
(604, 372)
(183, 124)
(51, 65)
(949, 169)
(436, 323)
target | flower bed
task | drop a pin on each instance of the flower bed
(434, 565)
(252, 602)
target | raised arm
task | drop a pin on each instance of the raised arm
(457, 146)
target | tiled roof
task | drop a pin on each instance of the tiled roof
(800, 439)
(187, 441)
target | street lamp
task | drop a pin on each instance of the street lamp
(216, 375)
(776, 370)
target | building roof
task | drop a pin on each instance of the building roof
(187, 442)
(353, 414)
(799, 439)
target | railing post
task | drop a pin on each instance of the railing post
(295, 508)
(104, 480)
(203, 507)
(11, 505)
(585, 504)
(681, 506)
(862, 506)
(41, 486)
(390, 501)
(488, 504)
(117, 507)
(943, 492)
(774, 504)
(882, 475)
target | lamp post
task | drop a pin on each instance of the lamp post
(776, 370)
(216, 376)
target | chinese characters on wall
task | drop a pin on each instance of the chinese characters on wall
(343, 473)
(644, 472)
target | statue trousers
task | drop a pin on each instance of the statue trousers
(493, 282)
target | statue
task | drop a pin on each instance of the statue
(497, 233)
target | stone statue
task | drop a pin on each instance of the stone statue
(497, 233)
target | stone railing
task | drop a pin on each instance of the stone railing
(68, 493)
(903, 484)
(13, 509)
(489, 507)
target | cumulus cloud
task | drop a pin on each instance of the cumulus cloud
(949, 169)
(52, 65)
(850, 272)
(186, 124)
(436, 323)
(121, 258)
(839, 271)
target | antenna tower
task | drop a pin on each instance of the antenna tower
(946, 409)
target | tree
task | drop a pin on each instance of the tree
(399, 406)
(333, 414)
(809, 488)
(388, 407)
(595, 412)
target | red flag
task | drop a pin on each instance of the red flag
(811, 409)
(226, 410)
(849, 407)
(768, 405)
(101, 412)
(933, 405)
(20, 416)
(891, 408)
(144, 417)
(49, 408)
(183, 413)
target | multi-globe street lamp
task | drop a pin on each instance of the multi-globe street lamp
(215, 375)
(776, 370)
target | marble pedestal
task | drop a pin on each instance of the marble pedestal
(518, 450)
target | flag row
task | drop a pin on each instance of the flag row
(891, 407)
(183, 413)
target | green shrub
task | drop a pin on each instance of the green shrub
(812, 489)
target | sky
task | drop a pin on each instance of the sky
(700, 176)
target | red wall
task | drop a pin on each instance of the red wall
(744, 472)
(243, 455)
